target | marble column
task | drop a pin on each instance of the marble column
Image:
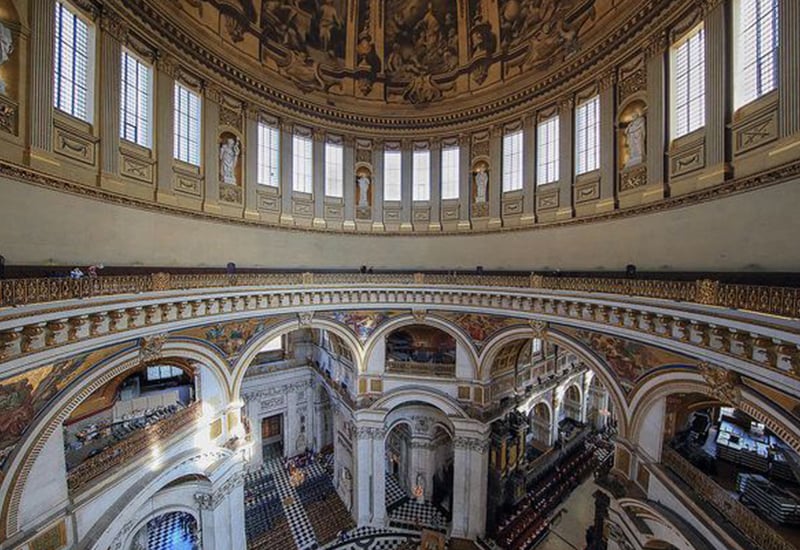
(250, 183)
(655, 60)
(566, 131)
(407, 183)
(789, 68)
(110, 89)
(165, 128)
(608, 144)
(434, 223)
(378, 479)
(717, 94)
(286, 147)
(318, 177)
(470, 481)
(465, 182)
(495, 176)
(528, 170)
(209, 160)
(40, 113)
(349, 184)
(377, 185)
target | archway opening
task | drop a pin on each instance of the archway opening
(125, 417)
(733, 453)
(551, 433)
(421, 350)
(419, 463)
(170, 531)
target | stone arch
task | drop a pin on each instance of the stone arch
(748, 401)
(256, 343)
(420, 394)
(600, 369)
(49, 420)
(661, 527)
(112, 526)
(396, 416)
(400, 321)
(162, 511)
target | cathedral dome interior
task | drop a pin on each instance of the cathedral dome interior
(399, 274)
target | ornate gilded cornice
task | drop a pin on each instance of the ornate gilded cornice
(574, 73)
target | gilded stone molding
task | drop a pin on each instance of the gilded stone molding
(112, 24)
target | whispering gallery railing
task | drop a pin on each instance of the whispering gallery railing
(782, 301)
(754, 528)
(131, 447)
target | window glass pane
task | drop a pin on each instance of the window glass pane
(512, 161)
(587, 136)
(756, 50)
(135, 101)
(450, 172)
(422, 175)
(71, 63)
(268, 155)
(689, 73)
(547, 151)
(187, 125)
(392, 176)
(334, 170)
(302, 167)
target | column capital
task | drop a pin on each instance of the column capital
(656, 45)
(318, 134)
(168, 65)
(706, 6)
(607, 79)
(213, 93)
(112, 24)
(566, 104)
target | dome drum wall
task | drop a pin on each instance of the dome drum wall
(495, 72)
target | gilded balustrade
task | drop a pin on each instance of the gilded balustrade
(753, 527)
(131, 447)
(762, 299)
(762, 343)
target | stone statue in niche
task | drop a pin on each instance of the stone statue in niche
(6, 48)
(228, 157)
(635, 133)
(481, 184)
(363, 190)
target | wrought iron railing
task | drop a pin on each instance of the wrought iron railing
(782, 301)
(131, 447)
(751, 526)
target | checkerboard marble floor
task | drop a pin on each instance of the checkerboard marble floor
(173, 531)
(395, 494)
(417, 515)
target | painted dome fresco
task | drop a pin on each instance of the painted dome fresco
(354, 58)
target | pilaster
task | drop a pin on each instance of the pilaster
(349, 194)
(656, 118)
(608, 145)
(377, 185)
(718, 95)
(496, 176)
(528, 170)
(40, 98)
(789, 69)
(286, 147)
(164, 109)
(210, 158)
(434, 223)
(318, 175)
(251, 164)
(465, 179)
(407, 174)
(566, 163)
(110, 90)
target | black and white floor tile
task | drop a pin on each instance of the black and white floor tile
(173, 531)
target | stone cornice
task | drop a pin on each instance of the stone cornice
(776, 176)
(575, 73)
